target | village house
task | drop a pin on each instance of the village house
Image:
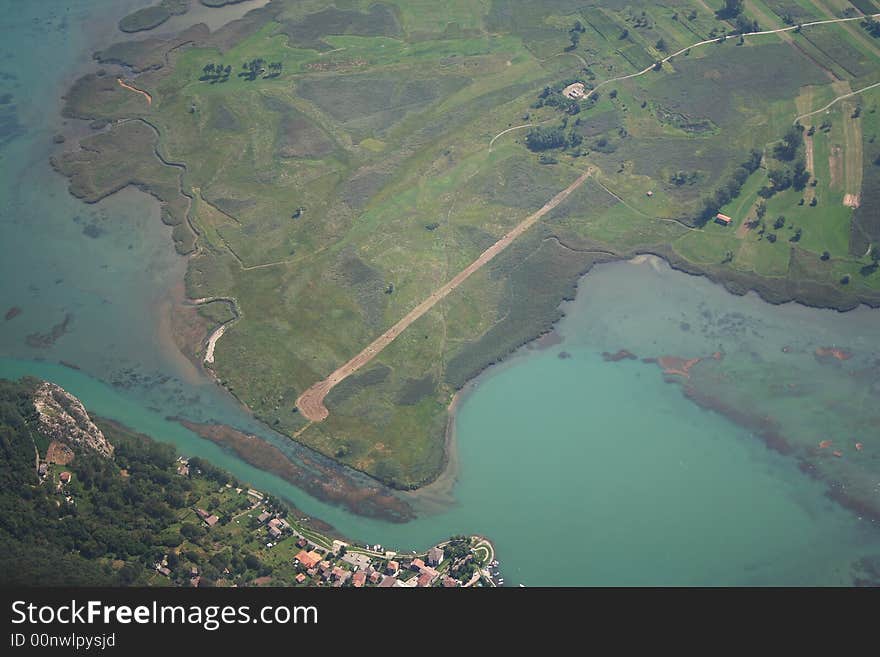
(359, 579)
(417, 564)
(263, 517)
(277, 527)
(574, 91)
(387, 582)
(375, 576)
(340, 576)
(309, 559)
(435, 556)
(42, 469)
(302, 543)
(392, 568)
(723, 219)
(449, 583)
(300, 578)
(64, 477)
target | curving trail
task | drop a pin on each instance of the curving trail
(311, 402)
(143, 93)
(790, 28)
(839, 98)
(504, 132)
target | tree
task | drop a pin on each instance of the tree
(872, 26)
(791, 142)
(731, 9)
(661, 45)
(542, 139)
(801, 176)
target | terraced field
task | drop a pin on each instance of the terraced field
(327, 168)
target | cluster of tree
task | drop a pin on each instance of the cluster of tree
(867, 270)
(574, 34)
(642, 21)
(118, 526)
(680, 178)
(551, 96)
(730, 190)
(873, 27)
(791, 142)
(256, 67)
(782, 177)
(215, 73)
(547, 138)
(744, 25)
(731, 9)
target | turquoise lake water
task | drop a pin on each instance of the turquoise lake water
(583, 472)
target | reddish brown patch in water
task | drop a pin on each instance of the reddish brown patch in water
(825, 444)
(677, 365)
(824, 353)
(13, 312)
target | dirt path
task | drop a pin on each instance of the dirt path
(745, 34)
(836, 100)
(136, 90)
(311, 402)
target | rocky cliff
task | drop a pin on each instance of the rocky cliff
(62, 417)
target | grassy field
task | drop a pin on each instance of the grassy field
(338, 161)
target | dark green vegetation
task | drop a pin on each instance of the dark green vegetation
(333, 193)
(151, 17)
(116, 518)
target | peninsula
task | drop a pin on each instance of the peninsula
(387, 199)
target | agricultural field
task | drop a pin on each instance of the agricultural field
(327, 167)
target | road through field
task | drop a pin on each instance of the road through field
(744, 34)
(311, 402)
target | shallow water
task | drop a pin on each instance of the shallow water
(582, 471)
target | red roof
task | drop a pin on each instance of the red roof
(723, 217)
(308, 559)
(359, 579)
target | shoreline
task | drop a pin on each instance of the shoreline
(446, 477)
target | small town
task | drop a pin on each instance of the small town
(301, 556)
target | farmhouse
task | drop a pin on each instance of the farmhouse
(574, 91)
(723, 219)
